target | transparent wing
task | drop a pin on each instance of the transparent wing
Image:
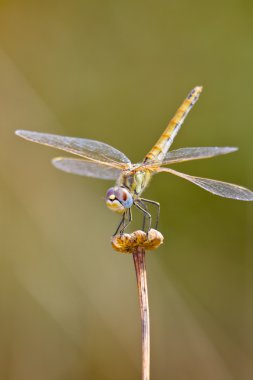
(223, 189)
(90, 149)
(188, 154)
(86, 168)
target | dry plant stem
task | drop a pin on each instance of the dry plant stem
(136, 243)
(141, 276)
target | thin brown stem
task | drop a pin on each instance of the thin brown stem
(136, 243)
(141, 276)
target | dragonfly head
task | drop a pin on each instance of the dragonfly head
(118, 199)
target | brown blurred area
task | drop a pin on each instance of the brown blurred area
(116, 71)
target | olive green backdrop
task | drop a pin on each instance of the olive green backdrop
(116, 71)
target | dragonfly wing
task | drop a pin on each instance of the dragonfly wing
(188, 154)
(223, 189)
(85, 168)
(90, 149)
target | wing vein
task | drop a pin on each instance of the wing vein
(222, 189)
(85, 168)
(92, 150)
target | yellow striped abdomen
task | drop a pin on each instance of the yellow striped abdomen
(159, 150)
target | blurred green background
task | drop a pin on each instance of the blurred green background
(116, 71)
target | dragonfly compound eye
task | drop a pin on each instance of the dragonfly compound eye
(124, 196)
(110, 193)
(118, 199)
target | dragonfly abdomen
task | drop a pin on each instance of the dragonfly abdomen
(159, 150)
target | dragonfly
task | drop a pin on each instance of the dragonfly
(99, 160)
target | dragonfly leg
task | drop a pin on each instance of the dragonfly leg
(158, 209)
(126, 223)
(120, 224)
(144, 215)
(145, 212)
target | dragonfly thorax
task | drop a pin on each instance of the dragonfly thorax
(118, 199)
(135, 180)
